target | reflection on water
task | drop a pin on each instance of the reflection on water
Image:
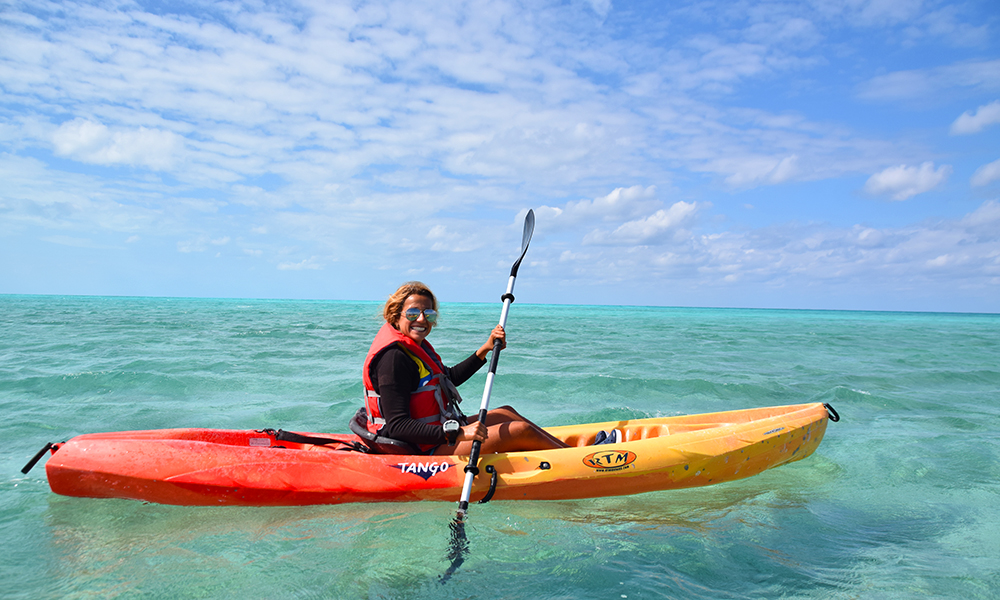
(116, 547)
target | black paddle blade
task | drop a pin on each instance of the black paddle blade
(529, 228)
(458, 550)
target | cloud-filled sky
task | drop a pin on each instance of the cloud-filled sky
(836, 154)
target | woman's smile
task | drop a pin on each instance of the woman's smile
(419, 329)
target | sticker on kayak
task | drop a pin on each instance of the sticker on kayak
(423, 469)
(610, 460)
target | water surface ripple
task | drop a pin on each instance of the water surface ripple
(900, 500)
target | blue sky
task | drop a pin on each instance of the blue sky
(837, 154)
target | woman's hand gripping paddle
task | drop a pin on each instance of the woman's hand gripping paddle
(459, 543)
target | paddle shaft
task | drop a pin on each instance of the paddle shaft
(484, 406)
(459, 542)
(472, 469)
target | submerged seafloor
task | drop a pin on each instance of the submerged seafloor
(900, 500)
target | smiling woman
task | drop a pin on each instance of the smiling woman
(410, 396)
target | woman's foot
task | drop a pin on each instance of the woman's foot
(603, 437)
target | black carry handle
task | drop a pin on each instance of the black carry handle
(37, 457)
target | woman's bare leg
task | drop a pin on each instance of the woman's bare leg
(508, 432)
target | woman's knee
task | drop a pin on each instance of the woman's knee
(509, 411)
(504, 414)
(519, 435)
(522, 430)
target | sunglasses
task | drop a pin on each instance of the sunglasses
(412, 314)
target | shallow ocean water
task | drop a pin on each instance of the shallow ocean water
(899, 501)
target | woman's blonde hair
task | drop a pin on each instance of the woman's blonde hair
(394, 305)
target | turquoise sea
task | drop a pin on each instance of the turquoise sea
(901, 500)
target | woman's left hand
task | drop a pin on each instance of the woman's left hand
(497, 334)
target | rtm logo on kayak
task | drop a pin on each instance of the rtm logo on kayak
(423, 469)
(610, 460)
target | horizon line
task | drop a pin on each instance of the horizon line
(568, 305)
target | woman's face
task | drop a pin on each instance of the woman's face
(419, 329)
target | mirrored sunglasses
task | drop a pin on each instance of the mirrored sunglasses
(412, 314)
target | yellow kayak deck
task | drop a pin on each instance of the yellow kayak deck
(659, 453)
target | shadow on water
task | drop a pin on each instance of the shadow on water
(113, 547)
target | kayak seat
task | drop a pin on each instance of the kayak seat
(379, 444)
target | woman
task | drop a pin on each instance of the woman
(410, 395)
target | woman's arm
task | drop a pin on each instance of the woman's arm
(461, 372)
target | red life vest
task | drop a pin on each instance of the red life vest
(434, 400)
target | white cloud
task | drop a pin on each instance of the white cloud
(652, 229)
(601, 7)
(984, 219)
(94, 143)
(796, 31)
(923, 84)
(986, 174)
(320, 96)
(872, 12)
(974, 122)
(76, 242)
(753, 171)
(621, 203)
(311, 263)
(902, 182)
(34, 194)
(445, 239)
(340, 130)
(200, 243)
(796, 256)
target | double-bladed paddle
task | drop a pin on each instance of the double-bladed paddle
(459, 542)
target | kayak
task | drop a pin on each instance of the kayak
(266, 468)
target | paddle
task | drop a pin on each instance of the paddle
(459, 542)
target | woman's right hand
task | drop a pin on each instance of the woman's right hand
(474, 432)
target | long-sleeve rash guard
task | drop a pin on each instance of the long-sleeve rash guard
(395, 376)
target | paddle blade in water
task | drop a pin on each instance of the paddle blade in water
(458, 550)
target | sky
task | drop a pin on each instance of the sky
(833, 154)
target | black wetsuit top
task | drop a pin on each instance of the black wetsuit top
(395, 376)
